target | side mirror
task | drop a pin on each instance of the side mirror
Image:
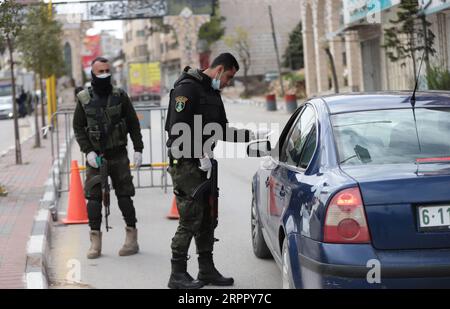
(259, 149)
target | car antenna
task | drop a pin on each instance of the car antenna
(413, 99)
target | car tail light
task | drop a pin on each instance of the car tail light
(345, 220)
(433, 160)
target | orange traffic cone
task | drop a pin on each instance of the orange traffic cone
(77, 210)
(173, 214)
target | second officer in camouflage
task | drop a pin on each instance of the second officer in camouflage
(103, 118)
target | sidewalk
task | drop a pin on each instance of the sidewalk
(25, 185)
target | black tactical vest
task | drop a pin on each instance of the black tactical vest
(210, 105)
(106, 126)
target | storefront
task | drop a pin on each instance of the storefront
(365, 17)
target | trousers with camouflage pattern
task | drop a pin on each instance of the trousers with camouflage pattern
(195, 215)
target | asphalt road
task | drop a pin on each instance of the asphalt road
(233, 254)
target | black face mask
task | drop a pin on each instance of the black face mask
(102, 86)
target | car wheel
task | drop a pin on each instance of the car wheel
(286, 274)
(260, 248)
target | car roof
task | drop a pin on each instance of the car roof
(352, 102)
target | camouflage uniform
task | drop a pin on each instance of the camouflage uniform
(119, 118)
(195, 215)
(193, 96)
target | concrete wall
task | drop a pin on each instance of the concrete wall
(253, 16)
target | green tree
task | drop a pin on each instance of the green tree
(240, 42)
(409, 35)
(213, 30)
(11, 22)
(44, 56)
(293, 56)
(438, 78)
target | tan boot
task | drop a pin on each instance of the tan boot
(96, 245)
(130, 246)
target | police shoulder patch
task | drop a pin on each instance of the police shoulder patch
(180, 103)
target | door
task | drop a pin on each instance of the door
(371, 69)
(267, 167)
(296, 152)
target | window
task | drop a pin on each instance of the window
(391, 136)
(140, 50)
(308, 150)
(298, 137)
(140, 33)
(129, 36)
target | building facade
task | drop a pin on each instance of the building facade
(149, 41)
(253, 17)
(74, 30)
(354, 32)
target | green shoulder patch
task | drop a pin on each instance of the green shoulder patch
(84, 96)
(180, 103)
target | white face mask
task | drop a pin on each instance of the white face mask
(104, 75)
(215, 83)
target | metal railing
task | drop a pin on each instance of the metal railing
(152, 120)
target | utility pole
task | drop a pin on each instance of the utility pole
(333, 69)
(276, 50)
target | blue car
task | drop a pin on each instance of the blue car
(356, 193)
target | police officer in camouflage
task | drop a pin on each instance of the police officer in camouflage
(195, 100)
(104, 115)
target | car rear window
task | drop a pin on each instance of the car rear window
(391, 136)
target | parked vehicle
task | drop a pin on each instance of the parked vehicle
(356, 193)
(6, 101)
(6, 107)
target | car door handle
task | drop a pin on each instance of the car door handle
(267, 182)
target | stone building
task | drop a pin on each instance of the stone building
(74, 31)
(354, 32)
(253, 17)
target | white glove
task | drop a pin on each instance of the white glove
(205, 165)
(92, 159)
(137, 159)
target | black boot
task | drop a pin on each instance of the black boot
(209, 274)
(180, 278)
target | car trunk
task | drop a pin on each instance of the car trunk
(393, 196)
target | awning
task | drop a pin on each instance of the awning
(350, 27)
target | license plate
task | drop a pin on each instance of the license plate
(434, 218)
